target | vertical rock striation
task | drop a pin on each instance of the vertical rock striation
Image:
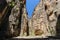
(24, 22)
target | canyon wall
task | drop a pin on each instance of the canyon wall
(43, 22)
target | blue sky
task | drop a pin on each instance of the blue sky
(30, 5)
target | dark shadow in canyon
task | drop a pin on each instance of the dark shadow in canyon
(58, 26)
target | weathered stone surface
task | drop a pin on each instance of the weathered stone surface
(52, 12)
(46, 14)
(40, 22)
(51, 17)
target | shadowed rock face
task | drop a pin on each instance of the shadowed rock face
(3, 3)
(18, 19)
(11, 23)
(24, 22)
(58, 26)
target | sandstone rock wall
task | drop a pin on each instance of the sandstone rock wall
(40, 22)
(46, 14)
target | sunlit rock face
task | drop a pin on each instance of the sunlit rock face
(40, 22)
(45, 18)
(52, 14)
(52, 19)
(31, 31)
